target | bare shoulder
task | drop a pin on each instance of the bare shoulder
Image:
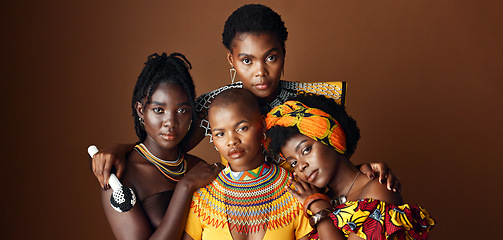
(375, 190)
(193, 160)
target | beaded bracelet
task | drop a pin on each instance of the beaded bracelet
(316, 218)
(311, 199)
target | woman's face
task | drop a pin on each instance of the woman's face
(314, 162)
(168, 116)
(236, 133)
(259, 60)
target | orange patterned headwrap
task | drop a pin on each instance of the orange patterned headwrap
(311, 122)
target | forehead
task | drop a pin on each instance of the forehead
(291, 143)
(230, 114)
(169, 91)
(255, 42)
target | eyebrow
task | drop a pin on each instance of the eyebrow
(298, 145)
(235, 125)
(164, 104)
(252, 56)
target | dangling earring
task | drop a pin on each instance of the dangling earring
(190, 124)
(233, 73)
(264, 136)
(142, 122)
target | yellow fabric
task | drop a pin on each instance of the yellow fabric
(198, 230)
(311, 122)
(373, 219)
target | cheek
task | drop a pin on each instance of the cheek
(152, 121)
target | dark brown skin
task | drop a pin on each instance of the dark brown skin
(316, 166)
(166, 121)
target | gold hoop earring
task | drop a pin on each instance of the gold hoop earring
(232, 71)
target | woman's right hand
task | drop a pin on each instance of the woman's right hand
(201, 175)
(108, 157)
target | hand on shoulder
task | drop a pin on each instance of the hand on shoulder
(373, 189)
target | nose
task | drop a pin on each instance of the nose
(261, 70)
(169, 120)
(233, 140)
(302, 165)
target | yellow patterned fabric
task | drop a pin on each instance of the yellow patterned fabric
(247, 206)
(311, 122)
(374, 219)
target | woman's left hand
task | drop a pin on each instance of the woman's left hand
(300, 189)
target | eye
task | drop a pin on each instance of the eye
(306, 150)
(243, 128)
(218, 134)
(246, 61)
(271, 58)
(182, 110)
(292, 163)
(158, 110)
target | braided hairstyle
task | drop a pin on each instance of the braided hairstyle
(279, 134)
(254, 18)
(159, 69)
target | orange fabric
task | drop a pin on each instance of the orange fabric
(311, 122)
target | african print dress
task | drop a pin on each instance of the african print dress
(374, 219)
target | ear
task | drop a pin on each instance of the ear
(229, 58)
(139, 109)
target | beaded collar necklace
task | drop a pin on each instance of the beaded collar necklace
(163, 165)
(260, 202)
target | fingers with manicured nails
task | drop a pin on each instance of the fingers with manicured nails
(382, 170)
(98, 169)
(397, 186)
(367, 170)
(391, 180)
(119, 170)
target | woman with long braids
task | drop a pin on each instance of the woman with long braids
(159, 170)
(317, 137)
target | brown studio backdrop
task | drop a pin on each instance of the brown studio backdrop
(424, 82)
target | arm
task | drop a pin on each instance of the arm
(173, 223)
(132, 224)
(105, 159)
(326, 227)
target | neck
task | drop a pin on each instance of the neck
(160, 152)
(266, 100)
(256, 162)
(343, 177)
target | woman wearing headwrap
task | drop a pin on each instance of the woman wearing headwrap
(316, 137)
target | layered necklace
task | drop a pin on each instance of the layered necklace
(164, 165)
(247, 201)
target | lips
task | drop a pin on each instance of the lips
(311, 176)
(168, 136)
(236, 152)
(262, 86)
